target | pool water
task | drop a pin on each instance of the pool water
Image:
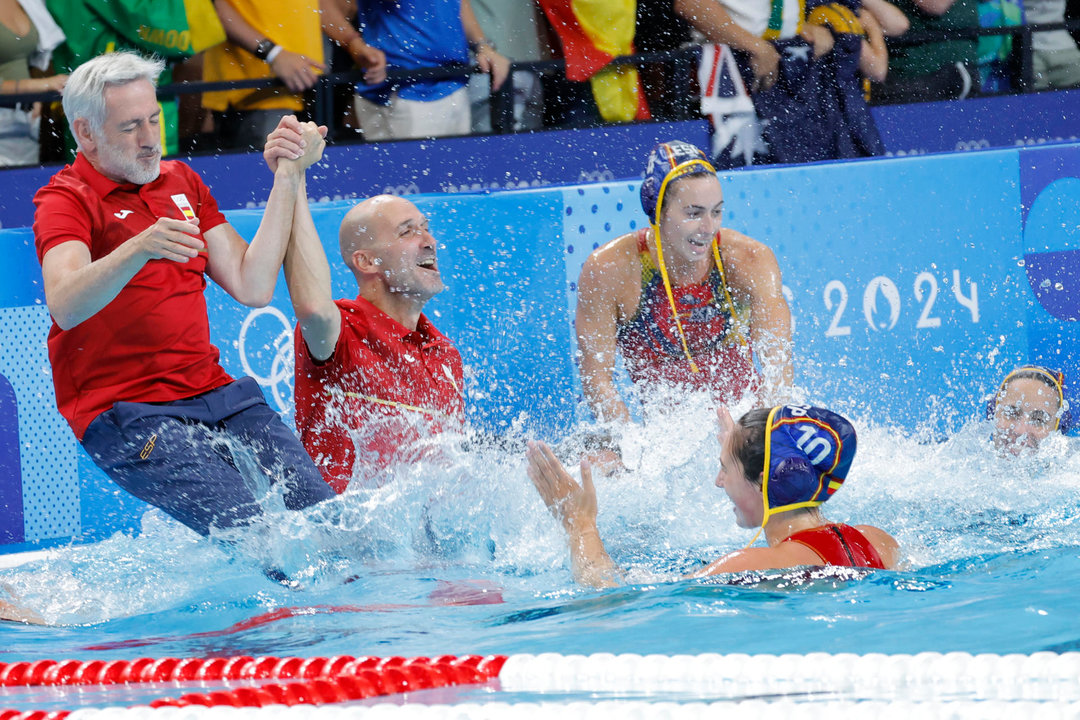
(457, 555)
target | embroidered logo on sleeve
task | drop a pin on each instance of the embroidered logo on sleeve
(185, 206)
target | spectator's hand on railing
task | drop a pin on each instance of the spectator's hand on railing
(494, 63)
(370, 59)
(298, 72)
(819, 37)
(765, 61)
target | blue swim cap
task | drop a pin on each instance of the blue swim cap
(1053, 378)
(808, 452)
(668, 161)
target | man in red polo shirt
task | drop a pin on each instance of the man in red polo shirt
(373, 375)
(126, 242)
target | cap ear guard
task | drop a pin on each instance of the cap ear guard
(808, 452)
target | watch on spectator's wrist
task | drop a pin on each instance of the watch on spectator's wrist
(482, 42)
(264, 48)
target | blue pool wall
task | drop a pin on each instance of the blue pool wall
(914, 284)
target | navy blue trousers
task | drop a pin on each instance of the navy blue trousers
(208, 461)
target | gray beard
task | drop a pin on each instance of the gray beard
(129, 170)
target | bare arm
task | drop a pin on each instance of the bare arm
(934, 7)
(337, 25)
(595, 324)
(489, 60)
(892, 19)
(770, 317)
(249, 272)
(575, 507)
(297, 71)
(34, 84)
(712, 20)
(307, 274)
(874, 59)
(819, 37)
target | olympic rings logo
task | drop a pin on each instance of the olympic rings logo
(275, 332)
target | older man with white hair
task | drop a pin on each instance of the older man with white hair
(126, 242)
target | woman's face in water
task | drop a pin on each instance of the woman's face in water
(1025, 413)
(690, 216)
(745, 496)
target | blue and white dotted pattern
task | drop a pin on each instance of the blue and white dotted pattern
(47, 448)
(594, 215)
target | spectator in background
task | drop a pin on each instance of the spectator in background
(859, 55)
(591, 35)
(776, 55)
(511, 26)
(1054, 53)
(932, 71)
(28, 36)
(267, 38)
(171, 29)
(405, 35)
(659, 28)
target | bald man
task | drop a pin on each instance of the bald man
(373, 375)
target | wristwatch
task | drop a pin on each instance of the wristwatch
(475, 46)
(264, 48)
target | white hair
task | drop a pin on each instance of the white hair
(84, 92)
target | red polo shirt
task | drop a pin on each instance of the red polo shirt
(384, 388)
(152, 342)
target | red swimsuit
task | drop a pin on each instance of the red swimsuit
(717, 333)
(839, 544)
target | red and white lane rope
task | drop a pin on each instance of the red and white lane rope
(818, 685)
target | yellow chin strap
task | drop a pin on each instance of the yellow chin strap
(770, 511)
(673, 174)
(1057, 381)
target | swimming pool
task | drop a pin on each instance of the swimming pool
(458, 556)
(462, 558)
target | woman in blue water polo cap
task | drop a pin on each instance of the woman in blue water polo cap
(777, 466)
(683, 300)
(1029, 405)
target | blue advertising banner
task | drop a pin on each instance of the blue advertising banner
(914, 283)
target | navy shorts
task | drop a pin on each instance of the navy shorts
(208, 461)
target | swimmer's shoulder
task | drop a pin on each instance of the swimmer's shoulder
(613, 262)
(739, 247)
(784, 555)
(886, 545)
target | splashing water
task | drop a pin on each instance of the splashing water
(390, 569)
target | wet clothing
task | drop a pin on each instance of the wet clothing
(384, 389)
(208, 461)
(839, 544)
(152, 342)
(717, 334)
(139, 381)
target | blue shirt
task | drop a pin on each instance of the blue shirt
(414, 34)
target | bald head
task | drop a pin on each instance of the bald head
(363, 225)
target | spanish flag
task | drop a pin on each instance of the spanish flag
(592, 32)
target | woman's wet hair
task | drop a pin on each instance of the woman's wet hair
(1032, 374)
(748, 445)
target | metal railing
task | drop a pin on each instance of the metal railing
(684, 61)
